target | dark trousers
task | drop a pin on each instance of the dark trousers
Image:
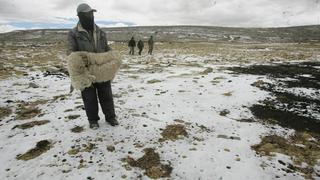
(150, 50)
(140, 50)
(90, 96)
(131, 50)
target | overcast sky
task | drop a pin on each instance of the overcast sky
(29, 14)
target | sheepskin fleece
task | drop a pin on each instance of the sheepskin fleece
(86, 68)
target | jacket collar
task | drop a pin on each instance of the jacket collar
(80, 28)
(95, 30)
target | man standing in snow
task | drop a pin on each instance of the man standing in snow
(88, 37)
(132, 45)
(140, 46)
(150, 44)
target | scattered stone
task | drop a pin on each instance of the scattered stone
(227, 94)
(224, 112)
(68, 110)
(59, 97)
(207, 71)
(31, 124)
(33, 85)
(228, 137)
(138, 145)
(89, 147)
(73, 151)
(259, 83)
(111, 148)
(246, 120)
(179, 121)
(204, 128)
(77, 129)
(41, 147)
(9, 101)
(281, 162)
(173, 132)
(80, 107)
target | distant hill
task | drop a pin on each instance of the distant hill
(183, 33)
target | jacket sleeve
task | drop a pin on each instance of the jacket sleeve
(72, 43)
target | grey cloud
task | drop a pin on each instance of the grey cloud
(8, 8)
(177, 12)
(63, 4)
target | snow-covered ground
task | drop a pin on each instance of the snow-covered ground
(150, 92)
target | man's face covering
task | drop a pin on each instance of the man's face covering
(87, 20)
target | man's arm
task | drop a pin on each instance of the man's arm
(71, 47)
(72, 43)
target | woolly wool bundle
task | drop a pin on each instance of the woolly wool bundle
(86, 68)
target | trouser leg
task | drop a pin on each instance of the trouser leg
(89, 97)
(106, 99)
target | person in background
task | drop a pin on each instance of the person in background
(140, 46)
(150, 44)
(87, 36)
(132, 45)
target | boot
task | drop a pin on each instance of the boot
(112, 121)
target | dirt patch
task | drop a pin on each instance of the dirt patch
(41, 147)
(77, 129)
(271, 114)
(27, 113)
(4, 112)
(81, 148)
(150, 162)
(301, 147)
(72, 117)
(153, 81)
(173, 132)
(288, 108)
(286, 70)
(28, 110)
(31, 124)
(60, 97)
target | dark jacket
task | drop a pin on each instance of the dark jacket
(132, 43)
(80, 40)
(150, 42)
(140, 44)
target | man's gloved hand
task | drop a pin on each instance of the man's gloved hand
(71, 89)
